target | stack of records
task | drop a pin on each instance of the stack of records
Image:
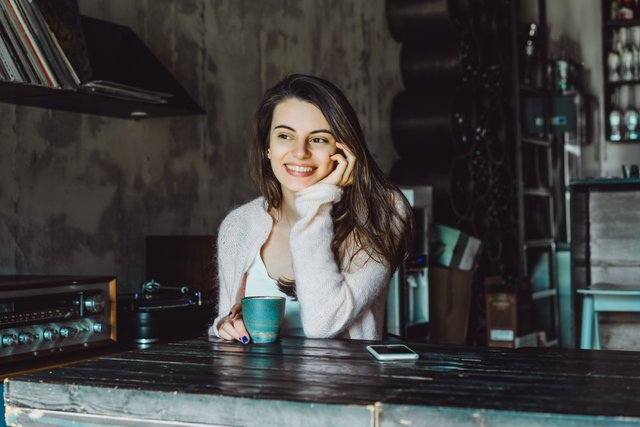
(42, 43)
(29, 51)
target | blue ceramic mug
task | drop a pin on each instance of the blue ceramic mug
(262, 317)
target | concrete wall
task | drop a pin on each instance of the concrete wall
(79, 193)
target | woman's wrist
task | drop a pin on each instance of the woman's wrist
(311, 198)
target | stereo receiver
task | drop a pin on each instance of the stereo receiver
(47, 315)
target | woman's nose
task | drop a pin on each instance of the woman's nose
(301, 150)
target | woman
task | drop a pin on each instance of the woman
(329, 229)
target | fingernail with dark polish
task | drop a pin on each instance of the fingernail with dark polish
(245, 340)
(229, 313)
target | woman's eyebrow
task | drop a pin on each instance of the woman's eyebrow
(323, 131)
(313, 131)
(284, 127)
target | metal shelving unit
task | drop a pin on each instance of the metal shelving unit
(535, 204)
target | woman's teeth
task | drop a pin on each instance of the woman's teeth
(299, 168)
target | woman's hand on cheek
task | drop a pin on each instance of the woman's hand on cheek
(232, 327)
(342, 175)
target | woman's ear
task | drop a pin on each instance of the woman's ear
(268, 153)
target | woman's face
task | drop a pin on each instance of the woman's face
(301, 144)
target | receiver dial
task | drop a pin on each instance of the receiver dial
(9, 340)
(94, 303)
(50, 334)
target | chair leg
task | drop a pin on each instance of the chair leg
(586, 337)
(596, 330)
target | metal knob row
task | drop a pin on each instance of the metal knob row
(22, 338)
(49, 334)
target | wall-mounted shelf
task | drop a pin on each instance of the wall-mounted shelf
(623, 83)
(116, 54)
(621, 69)
(621, 23)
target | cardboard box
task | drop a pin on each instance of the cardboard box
(533, 339)
(449, 305)
(455, 249)
(508, 311)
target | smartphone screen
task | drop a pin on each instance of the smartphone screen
(392, 352)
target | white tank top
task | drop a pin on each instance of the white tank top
(260, 284)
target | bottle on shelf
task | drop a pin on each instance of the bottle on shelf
(626, 10)
(562, 75)
(613, 58)
(627, 64)
(530, 54)
(631, 119)
(615, 120)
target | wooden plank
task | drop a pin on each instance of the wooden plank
(614, 207)
(426, 416)
(73, 402)
(55, 418)
(616, 274)
(616, 252)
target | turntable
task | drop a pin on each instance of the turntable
(162, 313)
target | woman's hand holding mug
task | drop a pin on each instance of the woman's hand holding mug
(232, 327)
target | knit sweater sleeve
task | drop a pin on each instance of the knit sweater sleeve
(330, 299)
(225, 297)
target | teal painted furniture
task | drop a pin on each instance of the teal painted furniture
(2, 423)
(604, 297)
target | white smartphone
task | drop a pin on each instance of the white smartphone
(392, 352)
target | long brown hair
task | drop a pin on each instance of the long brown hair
(372, 212)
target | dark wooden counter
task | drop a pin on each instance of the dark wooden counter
(301, 382)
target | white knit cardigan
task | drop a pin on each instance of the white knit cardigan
(335, 301)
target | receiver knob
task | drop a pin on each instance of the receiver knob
(67, 331)
(94, 303)
(50, 334)
(97, 328)
(9, 340)
(26, 338)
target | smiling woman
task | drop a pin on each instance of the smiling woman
(329, 228)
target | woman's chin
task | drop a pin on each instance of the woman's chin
(294, 188)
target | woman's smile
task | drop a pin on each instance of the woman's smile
(299, 170)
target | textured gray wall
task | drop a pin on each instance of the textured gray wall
(79, 193)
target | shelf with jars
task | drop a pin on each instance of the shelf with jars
(621, 58)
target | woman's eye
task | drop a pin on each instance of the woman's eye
(284, 137)
(318, 140)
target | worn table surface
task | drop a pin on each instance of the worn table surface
(332, 382)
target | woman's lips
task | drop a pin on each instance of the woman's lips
(299, 170)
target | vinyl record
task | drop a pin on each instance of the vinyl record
(450, 179)
(436, 64)
(434, 122)
(420, 20)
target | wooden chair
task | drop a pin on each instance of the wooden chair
(607, 297)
